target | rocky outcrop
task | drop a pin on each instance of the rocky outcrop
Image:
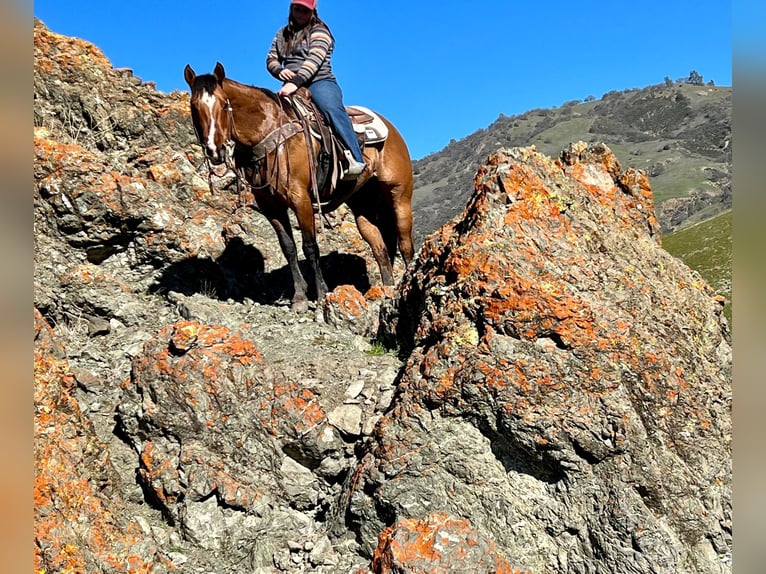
(80, 95)
(555, 395)
(79, 514)
(245, 455)
(680, 212)
(569, 381)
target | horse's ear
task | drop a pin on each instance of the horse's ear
(189, 75)
(219, 72)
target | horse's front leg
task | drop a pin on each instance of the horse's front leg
(280, 221)
(305, 216)
(311, 251)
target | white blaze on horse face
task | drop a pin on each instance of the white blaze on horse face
(209, 101)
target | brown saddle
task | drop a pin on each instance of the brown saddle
(359, 115)
(367, 125)
(329, 189)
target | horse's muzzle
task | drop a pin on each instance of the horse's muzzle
(217, 156)
(224, 154)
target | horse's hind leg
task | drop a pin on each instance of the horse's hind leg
(368, 222)
(401, 200)
(404, 232)
(371, 234)
(280, 221)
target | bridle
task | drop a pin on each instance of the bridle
(228, 150)
(227, 153)
(229, 143)
(276, 140)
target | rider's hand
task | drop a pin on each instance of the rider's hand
(287, 89)
(286, 75)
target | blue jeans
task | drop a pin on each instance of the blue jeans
(329, 99)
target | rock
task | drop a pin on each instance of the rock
(355, 389)
(203, 523)
(369, 425)
(299, 484)
(97, 326)
(437, 543)
(347, 307)
(323, 554)
(347, 419)
(553, 388)
(559, 398)
(75, 482)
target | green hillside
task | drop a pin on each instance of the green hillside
(706, 248)
(678, 133)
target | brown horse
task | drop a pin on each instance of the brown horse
(227, 113)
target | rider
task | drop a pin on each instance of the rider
(300, 56)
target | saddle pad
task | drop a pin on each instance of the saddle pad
(367, 122)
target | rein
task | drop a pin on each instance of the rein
(273, 142)
(229, 145)
(310, 157)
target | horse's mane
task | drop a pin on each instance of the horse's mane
(268, 93)
(208, 82)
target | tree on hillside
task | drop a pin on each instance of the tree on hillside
(694, 78)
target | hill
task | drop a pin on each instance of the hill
(679, 133)
(706, 248)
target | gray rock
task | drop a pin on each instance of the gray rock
(347, 419)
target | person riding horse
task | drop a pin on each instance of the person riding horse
(272, 153)
(300, 57)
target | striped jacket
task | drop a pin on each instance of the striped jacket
(310, 60)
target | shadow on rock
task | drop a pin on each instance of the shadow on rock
(345, 269)
(239, 274)
(236, 274)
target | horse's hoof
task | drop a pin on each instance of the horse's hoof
(300, 305)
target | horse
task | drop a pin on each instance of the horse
(228, 114)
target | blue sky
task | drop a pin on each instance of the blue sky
(437, 70)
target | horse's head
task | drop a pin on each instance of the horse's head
(210, 111)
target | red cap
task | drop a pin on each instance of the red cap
(310, 4)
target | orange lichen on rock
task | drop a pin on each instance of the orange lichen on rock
(55, 157)
(65, 51)
(296, 407)
(165, 173)
(78, 526)
(348, 300)
(379, 292)
(437, 543)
